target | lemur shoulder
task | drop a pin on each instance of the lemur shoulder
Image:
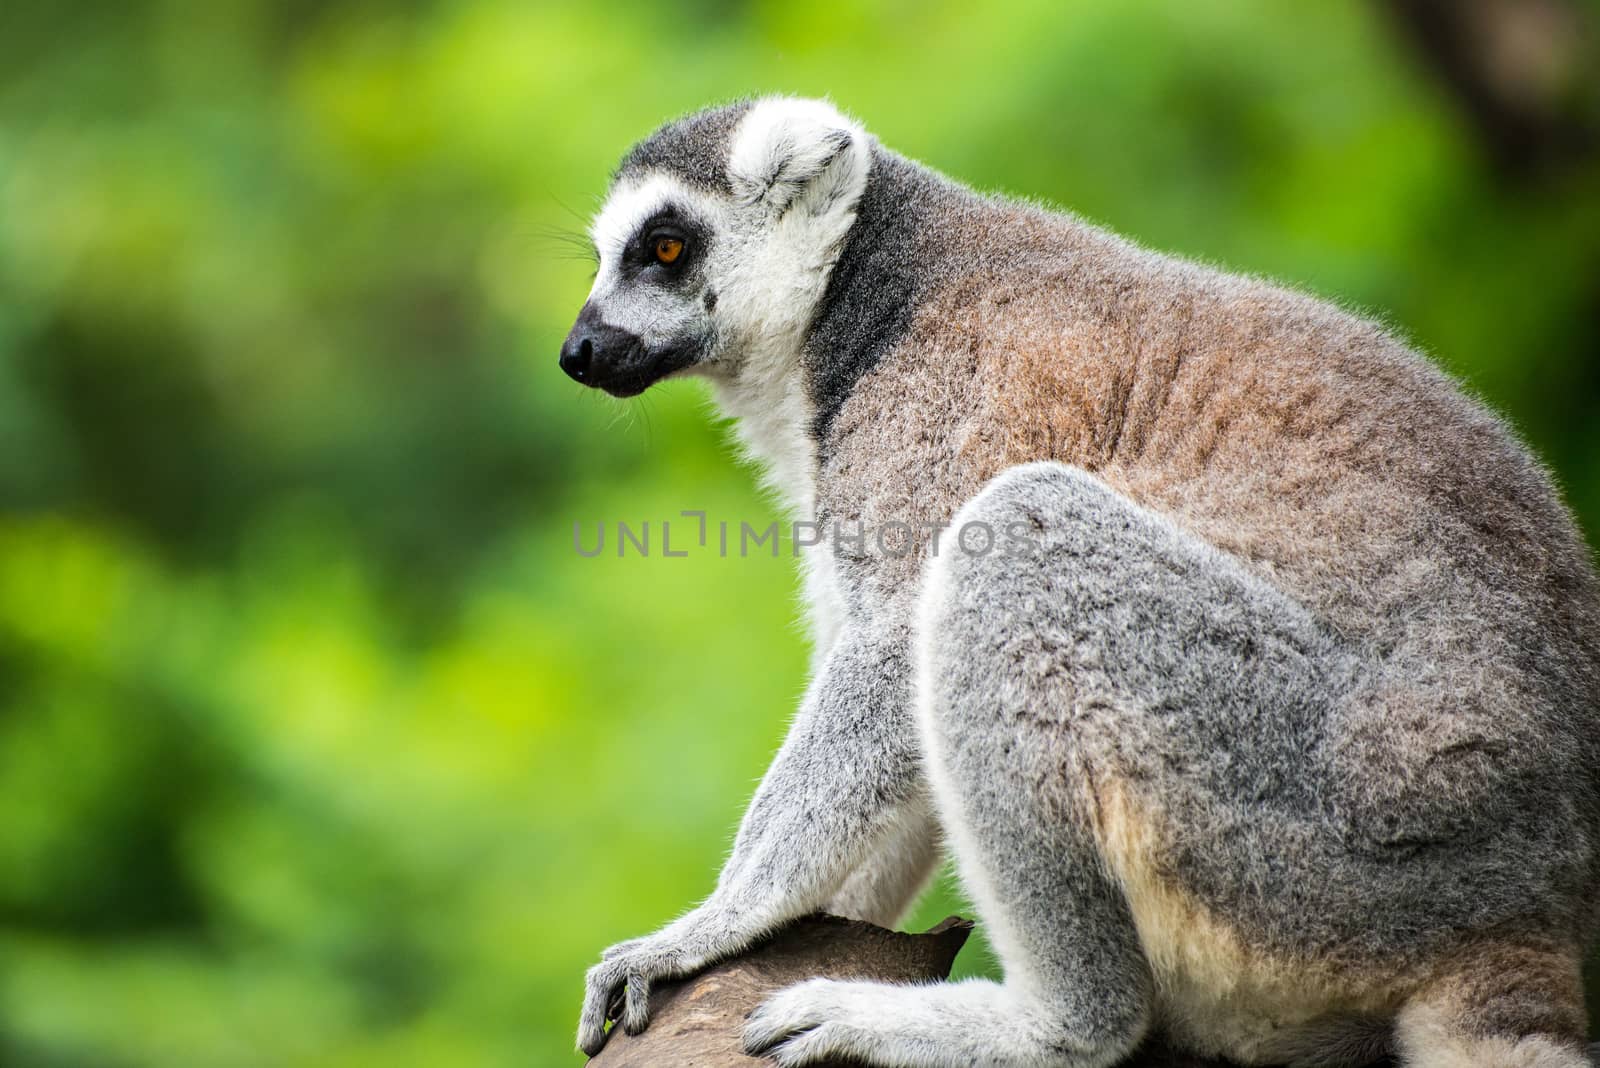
(1283, 737)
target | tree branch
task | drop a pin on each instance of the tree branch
(698, 1021)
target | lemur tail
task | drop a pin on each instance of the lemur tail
(1338, 1042)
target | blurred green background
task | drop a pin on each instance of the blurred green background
(319, 745)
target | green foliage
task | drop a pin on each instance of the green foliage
(319, 744)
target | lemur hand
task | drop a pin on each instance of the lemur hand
(618, 988)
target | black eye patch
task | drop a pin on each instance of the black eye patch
(641, 256)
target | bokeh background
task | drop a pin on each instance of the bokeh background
(319, 744)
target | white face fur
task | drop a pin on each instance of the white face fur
(741, 288)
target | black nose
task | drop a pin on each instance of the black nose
(577, 354)
(596, 352)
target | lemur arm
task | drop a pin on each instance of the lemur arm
(843, 779)
(834, 790)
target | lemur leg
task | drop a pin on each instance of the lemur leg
(1021, 660)
(884, 886)
(1508, 1007)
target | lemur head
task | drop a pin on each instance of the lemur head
(715, 243)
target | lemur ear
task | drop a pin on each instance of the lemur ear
(802, 155)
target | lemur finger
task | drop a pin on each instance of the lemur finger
(600, 987)
(810, 1047)
(761, 1036)
(591, 1034)
(636, 1004)
(792, 1011)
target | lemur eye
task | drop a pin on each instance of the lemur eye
(668, 249)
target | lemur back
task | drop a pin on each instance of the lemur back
(1448, 583)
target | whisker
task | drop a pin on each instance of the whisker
(645, 402)
(582, 220)
(620, 410)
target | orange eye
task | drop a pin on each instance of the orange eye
(668, 249)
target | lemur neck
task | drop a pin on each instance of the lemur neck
(771, 420)
(789, 397)
(877, 282)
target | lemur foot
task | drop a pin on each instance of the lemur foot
(947, 1025)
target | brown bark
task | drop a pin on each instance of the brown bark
(697, 1022)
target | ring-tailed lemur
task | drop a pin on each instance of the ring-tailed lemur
(1284, 740)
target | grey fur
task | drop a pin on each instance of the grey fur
(694, 149)
(1287, 732)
